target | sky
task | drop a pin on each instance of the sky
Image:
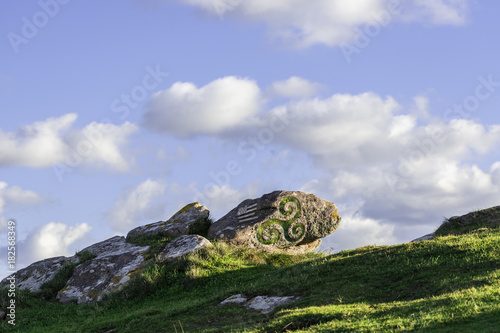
(116, 114)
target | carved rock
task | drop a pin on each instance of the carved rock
(287, 221)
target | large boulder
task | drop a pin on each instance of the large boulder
(116, 262)
(287, 221)
(36, 274)
(177, 225)
(182, 246)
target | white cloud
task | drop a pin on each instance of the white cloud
(334, 22)
(54, 141)
(52, 240)
(37, 145)
(294, 87)
(184, 110)
(16, 196)
(136, 206)
(99, 144)
(440, 12)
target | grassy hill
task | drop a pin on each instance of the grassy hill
(448, 284)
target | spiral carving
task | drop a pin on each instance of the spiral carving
(274, 228)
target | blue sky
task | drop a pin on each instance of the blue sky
(116, 114)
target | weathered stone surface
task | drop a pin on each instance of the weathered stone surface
(36, 274)
(182, 246)
(264, 304)
(177, 225)
(287, 221)
(116, 262)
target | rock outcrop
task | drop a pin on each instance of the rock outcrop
(287, 221)
(36, 274)
(116, 262)
(177, 225)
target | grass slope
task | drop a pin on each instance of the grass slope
(448, 284)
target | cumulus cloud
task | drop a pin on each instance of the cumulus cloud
(99, 144)
(54, 141)
(184, 110)
(294, 87)
(52, 240)
(16, 196)
(135, 206)
(37, 145)
(406, 166)
(334, 22)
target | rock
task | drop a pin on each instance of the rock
(287, 221)
(177, 225)
(113, 267)
(108, 246)
(424, 238)
(235, 300)
(3, 315)
(264, 304)
(36, 274)
(183, 245)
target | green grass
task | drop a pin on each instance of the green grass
(448, 284)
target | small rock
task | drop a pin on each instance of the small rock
(3, 315)
(234, 300)
(266, 304)
(177, 225)
(182, 246)
(424, 238)
(287, 221)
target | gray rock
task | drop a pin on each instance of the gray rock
(36, 274)
(108, 246)
(424, 238)
(3, 315)
(287, 221)
(235, 300)
(264, 304)
(182, 246)
(177, 225)
(109, 271)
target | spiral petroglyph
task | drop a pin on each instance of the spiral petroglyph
(270, 231)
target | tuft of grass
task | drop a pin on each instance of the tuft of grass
(156, 243)
(200, 226)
